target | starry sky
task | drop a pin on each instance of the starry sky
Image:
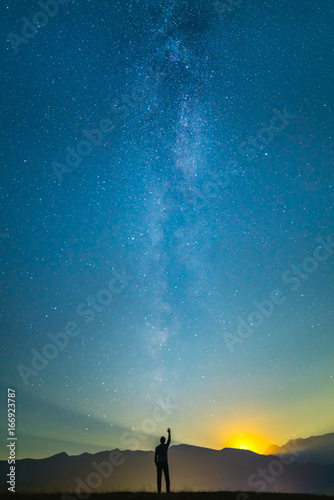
(166, 238)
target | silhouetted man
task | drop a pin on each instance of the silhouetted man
(160, 459)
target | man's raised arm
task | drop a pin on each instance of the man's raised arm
(168, 440)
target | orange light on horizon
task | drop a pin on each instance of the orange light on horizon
(248, 441)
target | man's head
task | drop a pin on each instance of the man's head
(162, 440)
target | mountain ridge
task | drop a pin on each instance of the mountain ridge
(317, 449)
(192, 468)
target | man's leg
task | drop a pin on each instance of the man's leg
(166, 472)
(159, 473)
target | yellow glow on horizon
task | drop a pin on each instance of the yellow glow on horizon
(248, 441)
(243, 447)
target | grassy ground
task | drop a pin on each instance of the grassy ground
(223, 495)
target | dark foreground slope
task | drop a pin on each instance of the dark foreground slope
(223, 495)
(191, 469)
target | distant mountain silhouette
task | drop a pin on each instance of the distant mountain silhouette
(191, 468)
(319, 449)
(273, 449)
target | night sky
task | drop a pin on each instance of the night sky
(166, 233)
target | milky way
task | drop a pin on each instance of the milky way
(167, 221)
